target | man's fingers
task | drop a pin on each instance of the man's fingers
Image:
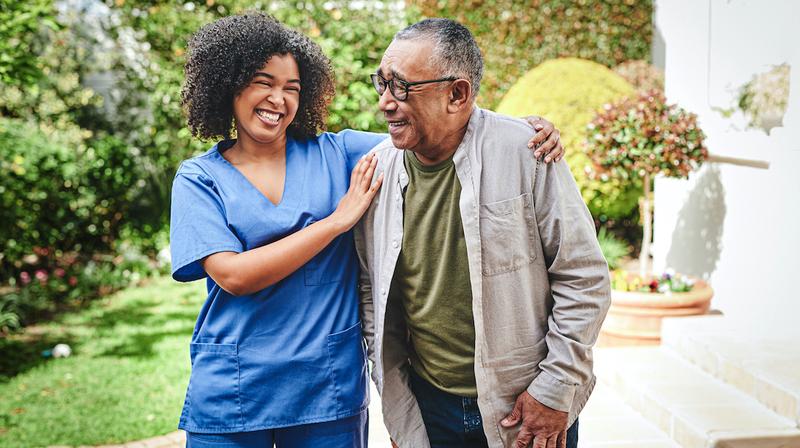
(523, 438)
(513, 418)
(551, 441)
(540, 442)
(562, 439)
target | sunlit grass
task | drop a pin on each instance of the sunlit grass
(126, 377)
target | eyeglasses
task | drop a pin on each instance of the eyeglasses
(399, 88)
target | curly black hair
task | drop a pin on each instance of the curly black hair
(223, 57)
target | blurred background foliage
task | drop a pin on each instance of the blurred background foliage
(92, 129)
(516, 36)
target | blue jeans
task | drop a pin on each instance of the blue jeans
(350, 432)
(453, 421)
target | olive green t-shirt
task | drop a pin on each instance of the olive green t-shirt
(431, 279)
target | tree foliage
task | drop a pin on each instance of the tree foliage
(518, 35)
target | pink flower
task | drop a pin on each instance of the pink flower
(73, 281)
(59, 272)
(41, 275)
(25, 278)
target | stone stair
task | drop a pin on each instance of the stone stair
(713, 383)
(763, 362)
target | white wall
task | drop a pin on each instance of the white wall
(737, 226)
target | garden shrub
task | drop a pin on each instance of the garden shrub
(568, 92)
(517, 35)
(62, 205)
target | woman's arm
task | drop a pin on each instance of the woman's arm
(255, 269)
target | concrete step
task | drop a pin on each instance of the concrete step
(762, 360)
(607, 422)
(692, 407)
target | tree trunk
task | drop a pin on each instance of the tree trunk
(644, 254)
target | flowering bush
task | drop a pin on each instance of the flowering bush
(645, 135)
(666, 283)
(641, 137)
(47, 283)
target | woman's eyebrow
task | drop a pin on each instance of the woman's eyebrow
(267, 75)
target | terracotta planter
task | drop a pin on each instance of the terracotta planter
(635, 317)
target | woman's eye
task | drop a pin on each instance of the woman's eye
(263, 83)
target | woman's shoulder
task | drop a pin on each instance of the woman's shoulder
(203, 170)
(204, 164)
(351, 143)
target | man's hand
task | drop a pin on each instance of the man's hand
(546, 141)
(545, 427)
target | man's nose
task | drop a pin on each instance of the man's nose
(387, 102)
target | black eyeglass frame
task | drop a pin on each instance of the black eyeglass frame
(380, 83)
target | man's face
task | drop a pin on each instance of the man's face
(415, 124)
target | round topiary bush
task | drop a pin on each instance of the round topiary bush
(568, 92)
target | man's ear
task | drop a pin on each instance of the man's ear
(460, 95)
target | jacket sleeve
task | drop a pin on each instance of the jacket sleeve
(363, 239)
(579, 283)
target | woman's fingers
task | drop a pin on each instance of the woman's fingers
(355, 175)
(370, 171)
(376, 186)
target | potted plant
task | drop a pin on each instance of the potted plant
(642, 137)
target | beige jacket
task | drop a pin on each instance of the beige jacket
(540, 284)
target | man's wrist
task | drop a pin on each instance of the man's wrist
(552, 393)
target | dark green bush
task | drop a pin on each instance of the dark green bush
(62, 205)
(59, 193)
(516, 36)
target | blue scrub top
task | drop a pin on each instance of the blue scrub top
(291, 353)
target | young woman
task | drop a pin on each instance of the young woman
(277, 353)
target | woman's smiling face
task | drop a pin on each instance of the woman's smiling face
(265, 107)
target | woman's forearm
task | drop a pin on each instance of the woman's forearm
(247, 272)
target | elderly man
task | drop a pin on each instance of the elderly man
(483, 287)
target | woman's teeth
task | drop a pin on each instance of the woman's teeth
(268, 115)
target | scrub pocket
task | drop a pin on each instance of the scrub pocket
(325, 268)
(348, 361)
(213, 396)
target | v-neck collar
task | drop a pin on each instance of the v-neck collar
(290, 192)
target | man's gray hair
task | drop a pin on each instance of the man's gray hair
(455, 51)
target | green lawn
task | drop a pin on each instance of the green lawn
(124, 381)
